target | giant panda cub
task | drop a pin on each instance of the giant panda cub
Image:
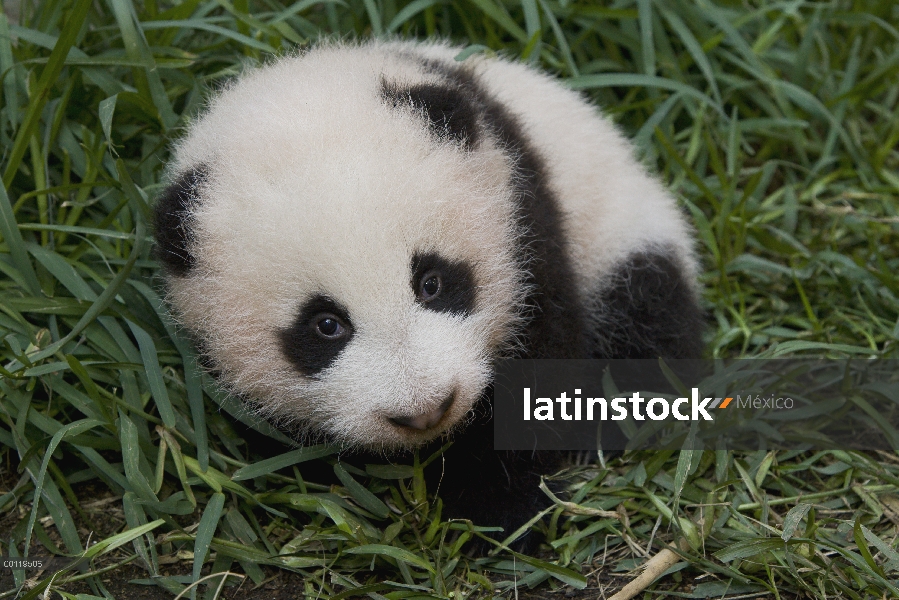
(355, 234)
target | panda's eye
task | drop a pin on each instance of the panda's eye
(431, 286)
(329, 327)
(442, 285)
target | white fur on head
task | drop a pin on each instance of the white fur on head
(315, 185)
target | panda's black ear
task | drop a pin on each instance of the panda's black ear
(171, 221)
(451, 113)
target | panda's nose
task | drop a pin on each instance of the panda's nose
(424, 420)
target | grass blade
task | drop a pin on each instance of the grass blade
(208, 524)
(13, 238)
(73, 23)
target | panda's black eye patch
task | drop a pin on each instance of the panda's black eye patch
(443, 285)
(317, 336)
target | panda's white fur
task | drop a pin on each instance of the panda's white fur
(312, 183)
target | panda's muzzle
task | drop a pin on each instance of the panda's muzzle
(425, 420)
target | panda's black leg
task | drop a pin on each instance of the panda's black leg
(489, 487)
(646, 309)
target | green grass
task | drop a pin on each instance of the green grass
(776, 123)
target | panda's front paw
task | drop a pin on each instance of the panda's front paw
(497, 508)
(497, 489)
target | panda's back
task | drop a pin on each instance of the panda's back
(612, 208)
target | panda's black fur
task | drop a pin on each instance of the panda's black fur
(643, 306)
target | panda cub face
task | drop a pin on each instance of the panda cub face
(340, 237)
